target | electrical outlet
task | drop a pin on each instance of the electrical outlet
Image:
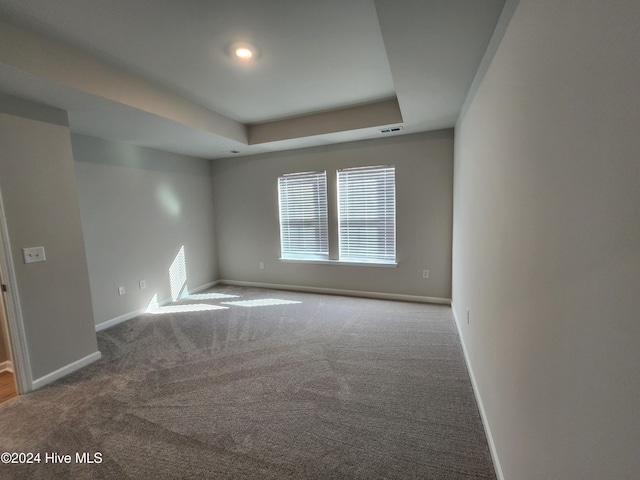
(261, 265)
(425, 273)
(33, 254)
(142, 284)
(121, 290)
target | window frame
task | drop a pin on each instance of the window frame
(331, 253)
(300, 213)
(366, 199)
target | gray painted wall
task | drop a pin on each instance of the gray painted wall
(546, 249)
(247, 229)
(38, 188)
(35, 111)
(139, 206)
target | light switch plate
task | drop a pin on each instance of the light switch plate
(33, 254)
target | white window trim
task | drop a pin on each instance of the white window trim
(342, 262)
(367, 209)
(319, 214)
(333, 223)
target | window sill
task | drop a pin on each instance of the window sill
(341, 262)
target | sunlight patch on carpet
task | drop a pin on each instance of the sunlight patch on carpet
(199, 307)
(208, 296)
(263, 302)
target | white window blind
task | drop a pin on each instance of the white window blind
(303, 216)
(367, 214)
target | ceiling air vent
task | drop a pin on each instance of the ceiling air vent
(390, 129)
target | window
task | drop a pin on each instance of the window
(365, 225)
(367, 214)
(303, 216)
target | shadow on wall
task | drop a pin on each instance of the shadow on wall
(180, 292)
(178, 276)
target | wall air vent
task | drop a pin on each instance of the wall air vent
(390, 129)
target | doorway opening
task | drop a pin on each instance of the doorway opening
(8, 389)
(14, 362)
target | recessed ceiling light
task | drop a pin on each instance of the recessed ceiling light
(243, 51)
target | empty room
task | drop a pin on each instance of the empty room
(350, 239)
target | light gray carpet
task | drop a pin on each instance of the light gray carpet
(328, 388)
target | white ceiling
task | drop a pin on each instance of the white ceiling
(157, 73)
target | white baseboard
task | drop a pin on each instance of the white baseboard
(337, 291)
(128, 316)
(66, 370)
(296, 288)
(122, 318)
(6, 366)
(476, 392)
(206, 286)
